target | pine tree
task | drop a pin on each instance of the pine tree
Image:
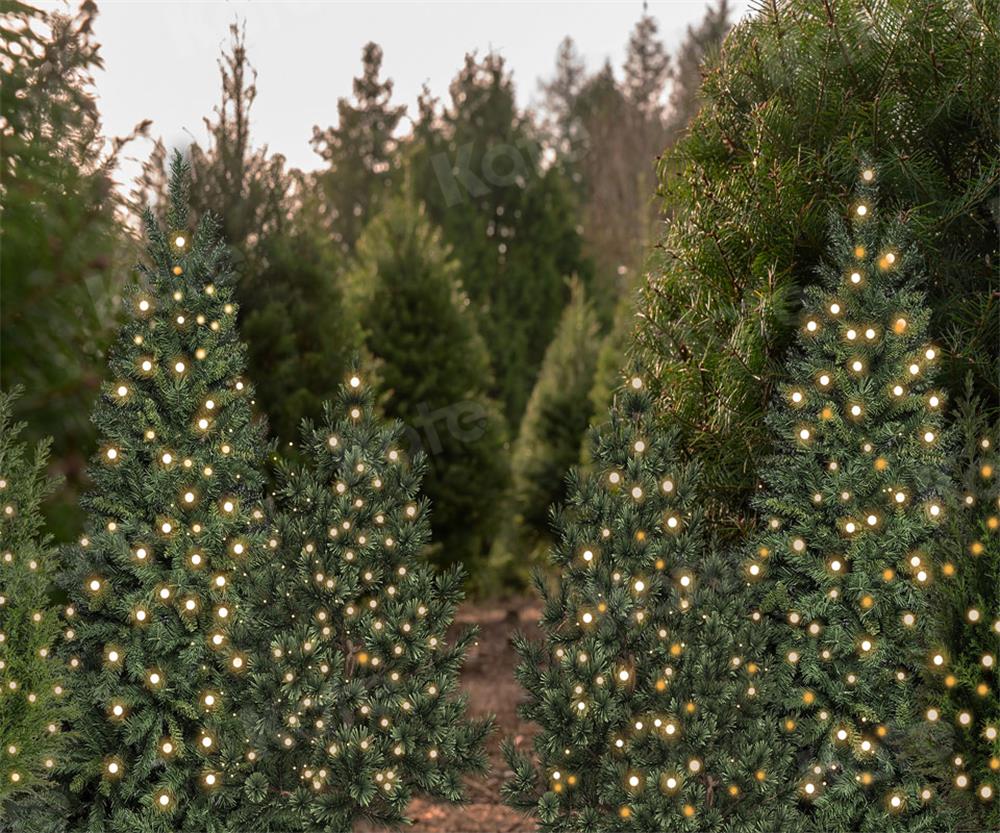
(798, 91)
(354, 705)
(173, 516)
(851, 501)
(554, 423)
(965, 692)
(511, 221)
(650, 686)
(32, 702)
(361, 152)
(434, 371)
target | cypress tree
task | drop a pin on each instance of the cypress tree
(32, 701)
(174, 513)
(353, 706)
(651, 682)
(852, 501)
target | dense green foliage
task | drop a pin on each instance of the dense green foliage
(650, 687)
(434, 371)
(548, 445)
(851, 504)
(800, 91)
(511, 222)
(32, 701)
(965, 691)
(60, 247)
(353, 706)
(173, 516)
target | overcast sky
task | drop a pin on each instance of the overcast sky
(160, 57)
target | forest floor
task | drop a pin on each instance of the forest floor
(488, 678)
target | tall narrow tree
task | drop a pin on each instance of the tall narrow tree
(173, 516)
(851, 503)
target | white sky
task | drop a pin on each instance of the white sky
(160, 57)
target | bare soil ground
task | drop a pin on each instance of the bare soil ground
(489, 679)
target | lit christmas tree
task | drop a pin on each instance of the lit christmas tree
(31, 686)
(353, 705)
(174, 515)
(852, 501)
(966, 694)
(649, 686)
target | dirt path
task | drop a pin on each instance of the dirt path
(489, 679)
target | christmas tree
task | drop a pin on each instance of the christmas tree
(852, 500)
(173, 517)
(965, 693)
(31, 689)
(353, 707)
(435, 373)
(650, 683)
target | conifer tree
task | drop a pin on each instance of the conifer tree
(173, 516)
(361, 152)
(851, 503)
(554, 423)
(965, 692)
(434, 370)
(649, 687)
(32, 701)
(797, 91)
(354, 705)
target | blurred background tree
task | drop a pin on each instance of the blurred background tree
(63, 253)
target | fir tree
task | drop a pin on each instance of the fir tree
(965, 692)
(361, 152)
(650, 686)
(173, 516)
(32, 702)
(354, 705)
(851, 502)
(434, 370)
(555, 421)
(510, 220)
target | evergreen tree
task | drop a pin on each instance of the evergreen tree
(61, 250)
(298, 332)
(173, 516)
(354, 706)
(852, 500)
(361, 152)
(651, 684)
(965, 692)
(510, 220)
(556, 419)
(434, 371)
(32, 708)
(700, 45)
(798, 91)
